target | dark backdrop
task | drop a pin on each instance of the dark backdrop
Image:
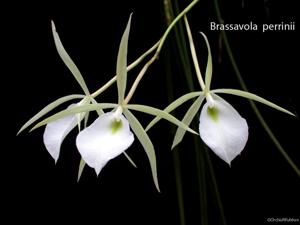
(259, 185)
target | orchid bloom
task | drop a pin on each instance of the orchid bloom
(56, 131)
(110, 134)
(221, 127)
(106, 138)
(103, 140)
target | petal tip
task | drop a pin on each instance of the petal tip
(19, 132)
(98, 170)
(174, 145)
(229, 163)
(53, 26)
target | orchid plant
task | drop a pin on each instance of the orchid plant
(110, 134)
(221, 127)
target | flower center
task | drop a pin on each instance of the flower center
(210, 100)
(115, 126)
(213, 113)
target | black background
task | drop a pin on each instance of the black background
(259, 185)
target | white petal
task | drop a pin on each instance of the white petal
(99, 143)
(55, 133)
(223, 130)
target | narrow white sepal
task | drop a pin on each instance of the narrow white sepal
(223, 129)
(101, 142)
(56, 131)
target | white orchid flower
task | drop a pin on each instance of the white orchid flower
(221, 127)
(56, 131)
(106, 138)
(109, 135)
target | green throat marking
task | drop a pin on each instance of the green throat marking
(213, 113)
(115, 126)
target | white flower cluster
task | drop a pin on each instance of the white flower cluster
(221, 127)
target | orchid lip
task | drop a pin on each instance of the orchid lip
(223, 129)
(104, 139)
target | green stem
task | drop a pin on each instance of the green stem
(137, 80)
(253, 106)
(130, 67)
(156, 55)
(176, 159)
(201, 174)
(178, 180)
(164, 37)
(183, 51)
(215, 185)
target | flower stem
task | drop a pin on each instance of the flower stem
(157, 46)
(156, 55)
(130, 67)
(215, 186)
(169, 15)
(180, 15)
(137, 80)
